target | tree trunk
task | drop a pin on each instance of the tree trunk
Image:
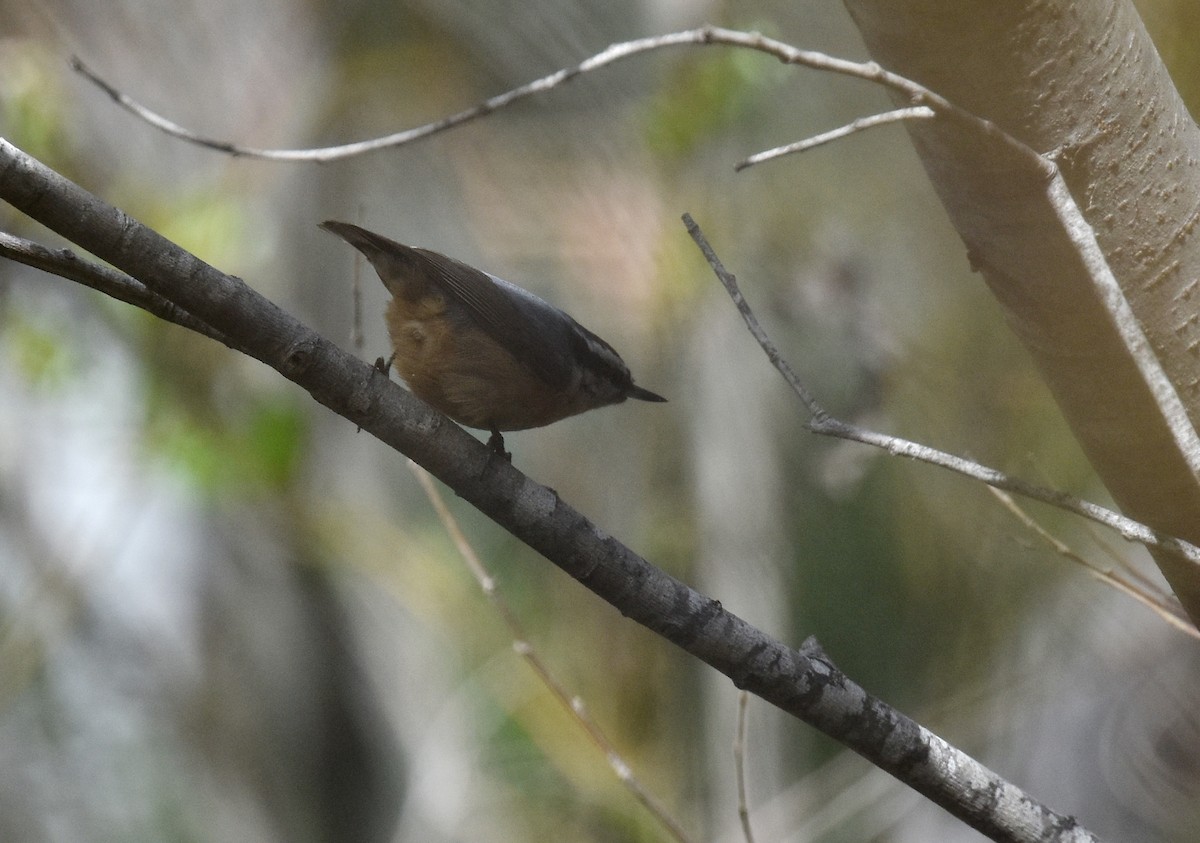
(1082, 82)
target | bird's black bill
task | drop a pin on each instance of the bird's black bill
(644, 394)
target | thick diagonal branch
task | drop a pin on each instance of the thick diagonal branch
(803, 682)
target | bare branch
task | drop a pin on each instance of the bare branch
(801, 681)
(118, 285)
(729, 282)
(920, 112)
(613, 53)
(821, 422)
(702, 36)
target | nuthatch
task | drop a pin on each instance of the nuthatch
(483, 351)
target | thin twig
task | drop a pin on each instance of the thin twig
(613, 53)
(739, 765)
(1122, 561)
(822, 423)
(573, 705)
(919, 112)
(702, 36)
(66, 264)
(729, 282)
(1120, 583)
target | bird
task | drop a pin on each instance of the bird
(487, 353)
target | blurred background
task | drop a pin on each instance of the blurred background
(226, 615)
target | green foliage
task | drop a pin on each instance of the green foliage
(705, 94)
(31, 100)
(1173, 26)
(38, 352)
(256, 453)
(211, 221)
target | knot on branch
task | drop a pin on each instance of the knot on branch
(298, 357)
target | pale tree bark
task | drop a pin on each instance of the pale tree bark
(1082, 82)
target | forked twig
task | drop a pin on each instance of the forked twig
(821, 422)
(918, 95)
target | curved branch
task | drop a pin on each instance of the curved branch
(917, 94)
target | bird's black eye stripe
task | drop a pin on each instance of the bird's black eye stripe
(599, 357)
